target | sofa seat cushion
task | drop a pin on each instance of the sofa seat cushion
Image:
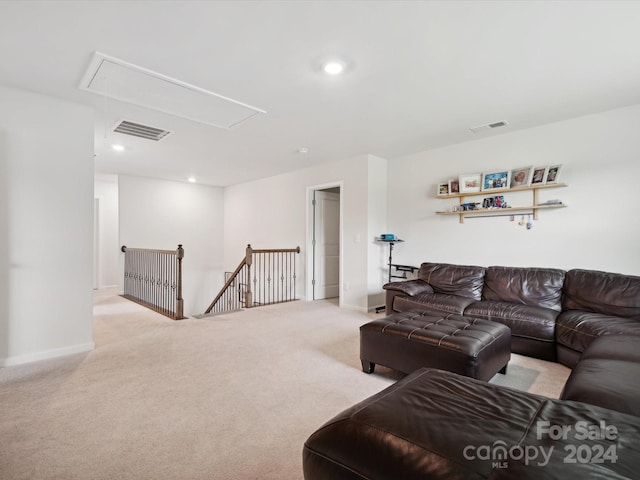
(433, 302)
(525, 321)
(577, 329)
(606, 383)
(606, 373)
(461, 280)
(435, 425)
(539, 287)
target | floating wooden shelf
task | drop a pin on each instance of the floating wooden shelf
(503, 211)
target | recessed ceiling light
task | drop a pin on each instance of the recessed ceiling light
(192, 179)
(303, 150)
(333, 68)
(118, 147)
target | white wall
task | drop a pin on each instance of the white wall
(161, 214)
(46, 241)
(106, 192)
(273, 213)
(598, 230)
(378, 255)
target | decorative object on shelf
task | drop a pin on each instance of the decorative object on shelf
(496, 180)
(470, 183)
(539, 176)
(463, 209)
(521, 177)
(469, 206)
(388, 237)
(454, 186)
(494, 202)
(443, 189)
(553, 174)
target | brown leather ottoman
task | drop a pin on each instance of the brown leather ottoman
(408, 341)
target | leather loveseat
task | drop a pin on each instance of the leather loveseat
(553, 314)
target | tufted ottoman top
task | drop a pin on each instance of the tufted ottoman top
(453, 332)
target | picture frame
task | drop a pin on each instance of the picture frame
(553, 174)
(443, 189)
(497, 180)
(539, 175)
(470, 182)
(521, 177)
(454, 186)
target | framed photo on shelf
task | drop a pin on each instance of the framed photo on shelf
(553, 174)
(521, 177)
(454, 186)
(539, 175)
(469, 183)
(443, 189)
(496, 180)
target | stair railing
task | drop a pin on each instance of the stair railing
(153, 278)
(263, 277)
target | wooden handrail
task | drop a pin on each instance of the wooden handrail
(277, 250)
(258, 285)
(227, 284)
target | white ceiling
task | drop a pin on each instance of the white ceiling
(419, 75)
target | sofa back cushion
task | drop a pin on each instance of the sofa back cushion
(462, 280)
(602, 292)
(538, 287)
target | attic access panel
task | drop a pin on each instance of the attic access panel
(117, 79)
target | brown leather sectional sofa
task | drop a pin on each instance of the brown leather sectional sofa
(553, 314)
(435, 424)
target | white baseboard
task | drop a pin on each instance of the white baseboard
(46, 354)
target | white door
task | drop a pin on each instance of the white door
(326, 251)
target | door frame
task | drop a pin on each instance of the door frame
(97, 218)
(310, 248)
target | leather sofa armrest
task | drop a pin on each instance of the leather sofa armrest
(410, 287)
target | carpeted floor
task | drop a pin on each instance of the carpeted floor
(229, 397)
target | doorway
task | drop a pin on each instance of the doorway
(325, 242)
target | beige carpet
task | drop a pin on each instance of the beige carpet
(230, 397)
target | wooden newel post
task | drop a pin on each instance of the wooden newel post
(179, 313)
(248, 296)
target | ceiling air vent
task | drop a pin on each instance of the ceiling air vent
(489, 126)
(141, 131)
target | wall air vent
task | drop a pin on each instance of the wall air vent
(489, 126)
(141, 131)
(114, 78)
